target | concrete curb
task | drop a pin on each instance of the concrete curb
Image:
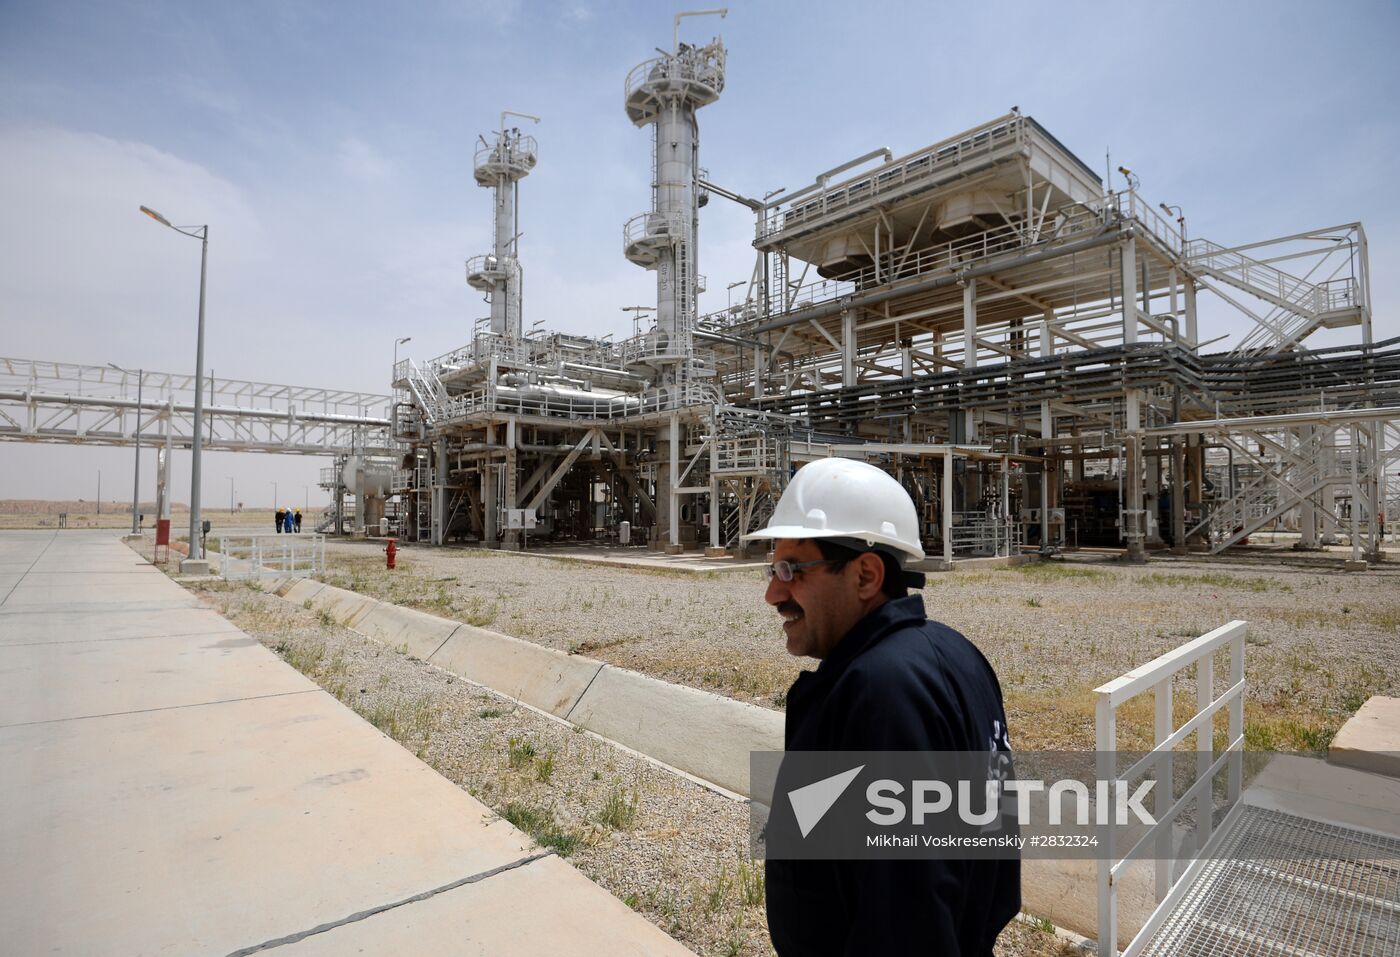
(421, 633)
(541, 677)
(705, 734)
(700, 733)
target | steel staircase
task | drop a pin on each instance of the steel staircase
(1298, 305)
(1271, 494)
(428, 391)
(326, 520)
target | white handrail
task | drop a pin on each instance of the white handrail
(1157, 676)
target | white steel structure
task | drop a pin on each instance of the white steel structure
(1016, 341)
(66, 402)
(500, 166)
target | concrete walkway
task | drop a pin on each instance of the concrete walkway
(169, 786)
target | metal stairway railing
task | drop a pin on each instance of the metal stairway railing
(1298, 304)
(427, 390)
(326, 520)
(1263, 500)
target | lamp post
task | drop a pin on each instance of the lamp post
(230, 496)
(274, 496)
(730, 292)
(397, 343)
(202, 234)
(136, 479)
(1180, 221)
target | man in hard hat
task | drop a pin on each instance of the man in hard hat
(888, 679)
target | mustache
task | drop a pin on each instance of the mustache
(789, 608)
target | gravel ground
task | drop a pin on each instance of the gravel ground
(1320, 641)
(671, 849)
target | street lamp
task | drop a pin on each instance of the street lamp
(136, 480)
(730, 291)
(1180, 220)
(397, 343)
(230, 496)
(202, 234)
(637, 313)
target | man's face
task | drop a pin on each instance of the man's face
(818, 606)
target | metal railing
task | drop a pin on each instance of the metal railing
(578, 407)
(1270, 494)
(1130, 205)
(748, 453)
(985, 139)
(511, 153)
(1070, 223)
(985, 533)
(689, 66)
(1308, 298)
(1157, 676)
(489, 265)
(257, 555)
(652, 226)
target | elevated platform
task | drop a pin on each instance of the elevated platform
(962, 184)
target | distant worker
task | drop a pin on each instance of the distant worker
(296, 520)
(888, 679)
(281, 519)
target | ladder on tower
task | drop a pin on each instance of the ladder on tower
(423, 500)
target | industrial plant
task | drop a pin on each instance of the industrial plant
(985, 318)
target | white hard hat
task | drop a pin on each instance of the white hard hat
(844, 498)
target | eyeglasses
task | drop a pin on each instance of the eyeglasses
(787, 571)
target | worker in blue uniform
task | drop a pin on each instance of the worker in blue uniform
(888, 679)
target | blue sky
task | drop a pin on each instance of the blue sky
(329, 147)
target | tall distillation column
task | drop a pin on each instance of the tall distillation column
(665, 92)
(500, 166)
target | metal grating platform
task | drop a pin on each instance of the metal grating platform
(1286, 886)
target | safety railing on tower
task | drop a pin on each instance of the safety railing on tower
(511, 153)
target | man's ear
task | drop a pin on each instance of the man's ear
(871, 575)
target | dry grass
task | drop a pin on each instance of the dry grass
(1320, 641)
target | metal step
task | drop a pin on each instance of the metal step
(1287, 886)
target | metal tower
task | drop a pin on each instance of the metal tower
(666, 92)
(501, 166)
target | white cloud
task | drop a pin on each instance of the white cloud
(362, 162)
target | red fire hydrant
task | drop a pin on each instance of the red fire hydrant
(391, 552)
